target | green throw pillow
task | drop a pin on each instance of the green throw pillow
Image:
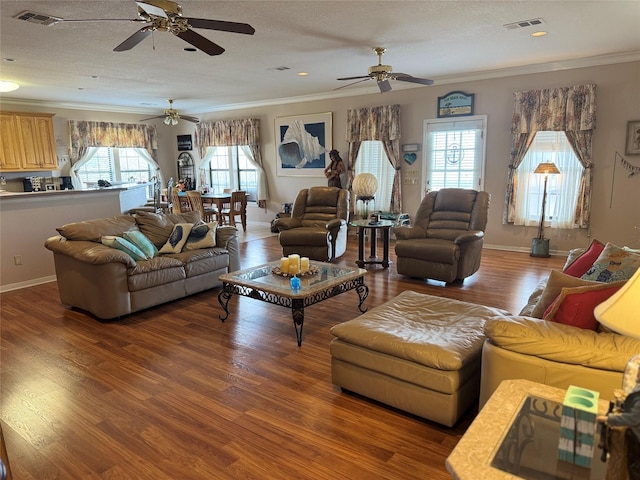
(123, 245)
(142, 242)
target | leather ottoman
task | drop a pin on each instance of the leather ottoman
(418, 353)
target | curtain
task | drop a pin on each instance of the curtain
(230, 133)
(380, 123)
(85, 134)
(568, 109)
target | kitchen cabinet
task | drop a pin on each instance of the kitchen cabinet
(28, 142)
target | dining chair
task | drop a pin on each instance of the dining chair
(196, 203)
(179, 204)
(237, 206)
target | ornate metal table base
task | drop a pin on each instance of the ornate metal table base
(296, 305)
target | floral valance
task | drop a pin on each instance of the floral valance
(106, 134)
(373, 123)
(555, 109)
(224, 133)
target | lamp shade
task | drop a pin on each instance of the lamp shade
(548, 168)
(621, 311)
(365, 185)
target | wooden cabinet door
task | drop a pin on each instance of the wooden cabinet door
(11, 148)
(49, 159)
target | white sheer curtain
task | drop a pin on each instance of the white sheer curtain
(562, 189)
(261, 177)
(75, 179)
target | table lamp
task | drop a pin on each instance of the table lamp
(365, 186)
(621, 311)
(540, 245)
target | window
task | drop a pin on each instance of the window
(454, 153)
(230, 168)
(116, 165)
(562, 189)
(372, 159)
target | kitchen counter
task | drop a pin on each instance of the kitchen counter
(27, 219)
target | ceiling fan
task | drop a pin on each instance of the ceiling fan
(171, 116)
(166, 16)
(383, 73)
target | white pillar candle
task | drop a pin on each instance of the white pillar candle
(294, 264)
(304, 264)
(284, 264)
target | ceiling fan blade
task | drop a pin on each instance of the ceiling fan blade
(384, 86)
(200, 42)
(189, 119)
(353, 83)
(367, 77)
(133, 40)
(403, 77)
(152, 118)
(221, 25)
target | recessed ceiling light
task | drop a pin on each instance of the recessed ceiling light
(190, 49)
(539, 34)
(9, 59)
(303, 74)
(8, 86)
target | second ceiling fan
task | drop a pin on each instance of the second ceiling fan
(171, 116)
(383, 73)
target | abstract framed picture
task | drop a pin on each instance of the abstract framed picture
(303, 143)
(633, 138)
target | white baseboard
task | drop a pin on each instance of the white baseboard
(509, 248)
(28, 283)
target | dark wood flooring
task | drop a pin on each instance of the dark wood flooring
(173, 393)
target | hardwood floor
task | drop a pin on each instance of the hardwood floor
(174, 393)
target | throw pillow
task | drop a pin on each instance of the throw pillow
(202, 235)
(177, 239)
(613, 264)
(580, 265)
(574, 306)
(555, 283)
(126, 246)
(142, 242)
(158, 226)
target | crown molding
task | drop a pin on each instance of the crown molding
(595, 61)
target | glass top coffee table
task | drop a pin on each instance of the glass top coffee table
(261, 283)
(516, 435)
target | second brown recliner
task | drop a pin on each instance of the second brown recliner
(317, 227)
(445, 241)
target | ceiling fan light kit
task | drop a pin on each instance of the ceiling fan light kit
(171, 116)
(383, 73)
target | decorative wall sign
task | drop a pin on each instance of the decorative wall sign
(455, 104)
(410, 147)
(633, 138)
(303, 143)
(184, 143)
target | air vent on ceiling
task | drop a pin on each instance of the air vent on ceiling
(279, 69)
(524, 23)
(39, 18)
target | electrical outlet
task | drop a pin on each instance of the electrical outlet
(17, 260)
(3, 181)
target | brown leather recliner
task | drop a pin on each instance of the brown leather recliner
(445, 241)
(317, 227)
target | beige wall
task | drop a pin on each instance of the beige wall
(615, 199)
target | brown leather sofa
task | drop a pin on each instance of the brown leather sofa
(109, 283)
(317, 227)
(445, 241)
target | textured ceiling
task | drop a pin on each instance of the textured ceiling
(74, 65)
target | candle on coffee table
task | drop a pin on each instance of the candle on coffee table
(304, 264)
(284, 264)
(294, 264)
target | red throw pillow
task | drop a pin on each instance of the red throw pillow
(574, 306)
(580, 265)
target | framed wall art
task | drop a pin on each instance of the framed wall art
(184, 143)
(303, 143)
(633, 138)
(455, 104)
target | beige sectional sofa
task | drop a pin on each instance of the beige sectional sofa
(522, 346)
(109, 283)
